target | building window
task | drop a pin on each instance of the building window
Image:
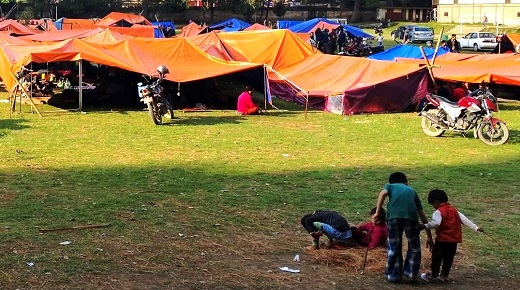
(517, 14)
(445, 14)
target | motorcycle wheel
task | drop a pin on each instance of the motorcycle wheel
(490, 135)
(155, 114)
(430, 128)
(169, 108)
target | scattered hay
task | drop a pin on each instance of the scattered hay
(352, 258)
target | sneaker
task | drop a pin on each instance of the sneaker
(443, 279)
(428, 277)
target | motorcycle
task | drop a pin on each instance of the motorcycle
(472, 112)
(152, 94)
(378, 29)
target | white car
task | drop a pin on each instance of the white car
(478, 41)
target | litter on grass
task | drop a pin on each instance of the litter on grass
(287, 269)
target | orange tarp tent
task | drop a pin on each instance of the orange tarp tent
(475, 68)
(277, 48)
(123, 20)
(186, 61)
(257, 26)
(73, 23)
(192, 29)
(16, 28)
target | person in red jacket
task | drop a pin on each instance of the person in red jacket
(245, 104)
(447, 221)
(372, 234)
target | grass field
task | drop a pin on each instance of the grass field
(213, 200)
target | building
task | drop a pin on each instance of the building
(497, 12)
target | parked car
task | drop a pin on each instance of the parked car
(415, 33)
(478, 41)
(399, 32)
(421, 33)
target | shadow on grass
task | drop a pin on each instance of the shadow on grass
(195, 120)
(12, 124)
(156, 211)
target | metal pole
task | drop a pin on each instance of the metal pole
(80, 85)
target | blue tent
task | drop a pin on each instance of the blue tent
(283, 24)
(309, 25)
(353, 31)
(406, 51)
(158, 33)
(230, 25)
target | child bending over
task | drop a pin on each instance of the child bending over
(372, 234)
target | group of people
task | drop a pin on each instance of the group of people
(386, 228)
(328, 41)
(451, 45)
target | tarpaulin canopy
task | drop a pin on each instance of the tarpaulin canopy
(257, 26)
(72, 23)
(475, 68)
(323, 23)
(60, 35)
(141, 55)
(192, 29)
(406, 51)
(231, 24)
(123, 20)
(7, 38)
(282, 24)
(276, 48)
(16, 28)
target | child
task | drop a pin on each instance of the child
(404, 208)
(447, 221)
(329, 223)
(380, 39)
(372, 234)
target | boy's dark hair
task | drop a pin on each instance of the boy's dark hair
(397, 177)
(437, 195)
(249, 88)
(381, 216)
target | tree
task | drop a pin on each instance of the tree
(84, 9)
(279, 9)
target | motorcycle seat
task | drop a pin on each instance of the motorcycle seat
(444, 100)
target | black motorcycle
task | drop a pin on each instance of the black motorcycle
(152, 94)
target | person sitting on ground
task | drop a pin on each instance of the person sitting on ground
(328, 223)
(245, 104)
(372, 234)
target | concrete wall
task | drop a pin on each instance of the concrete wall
(199, 15)
(503, 14)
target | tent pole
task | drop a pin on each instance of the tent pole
(289, 82)
(306, 104)
(265, 88)
(80, 85)
(437, 47)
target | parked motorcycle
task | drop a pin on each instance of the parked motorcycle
(473, 112)
(378, 29)
(152, 94)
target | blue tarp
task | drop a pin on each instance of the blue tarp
(158, 33)
(353, 31)
(283, 24)
(406, 51)
(59, 23)
(307, 26)
(230, 25)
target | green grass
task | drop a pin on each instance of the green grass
(200, 196)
